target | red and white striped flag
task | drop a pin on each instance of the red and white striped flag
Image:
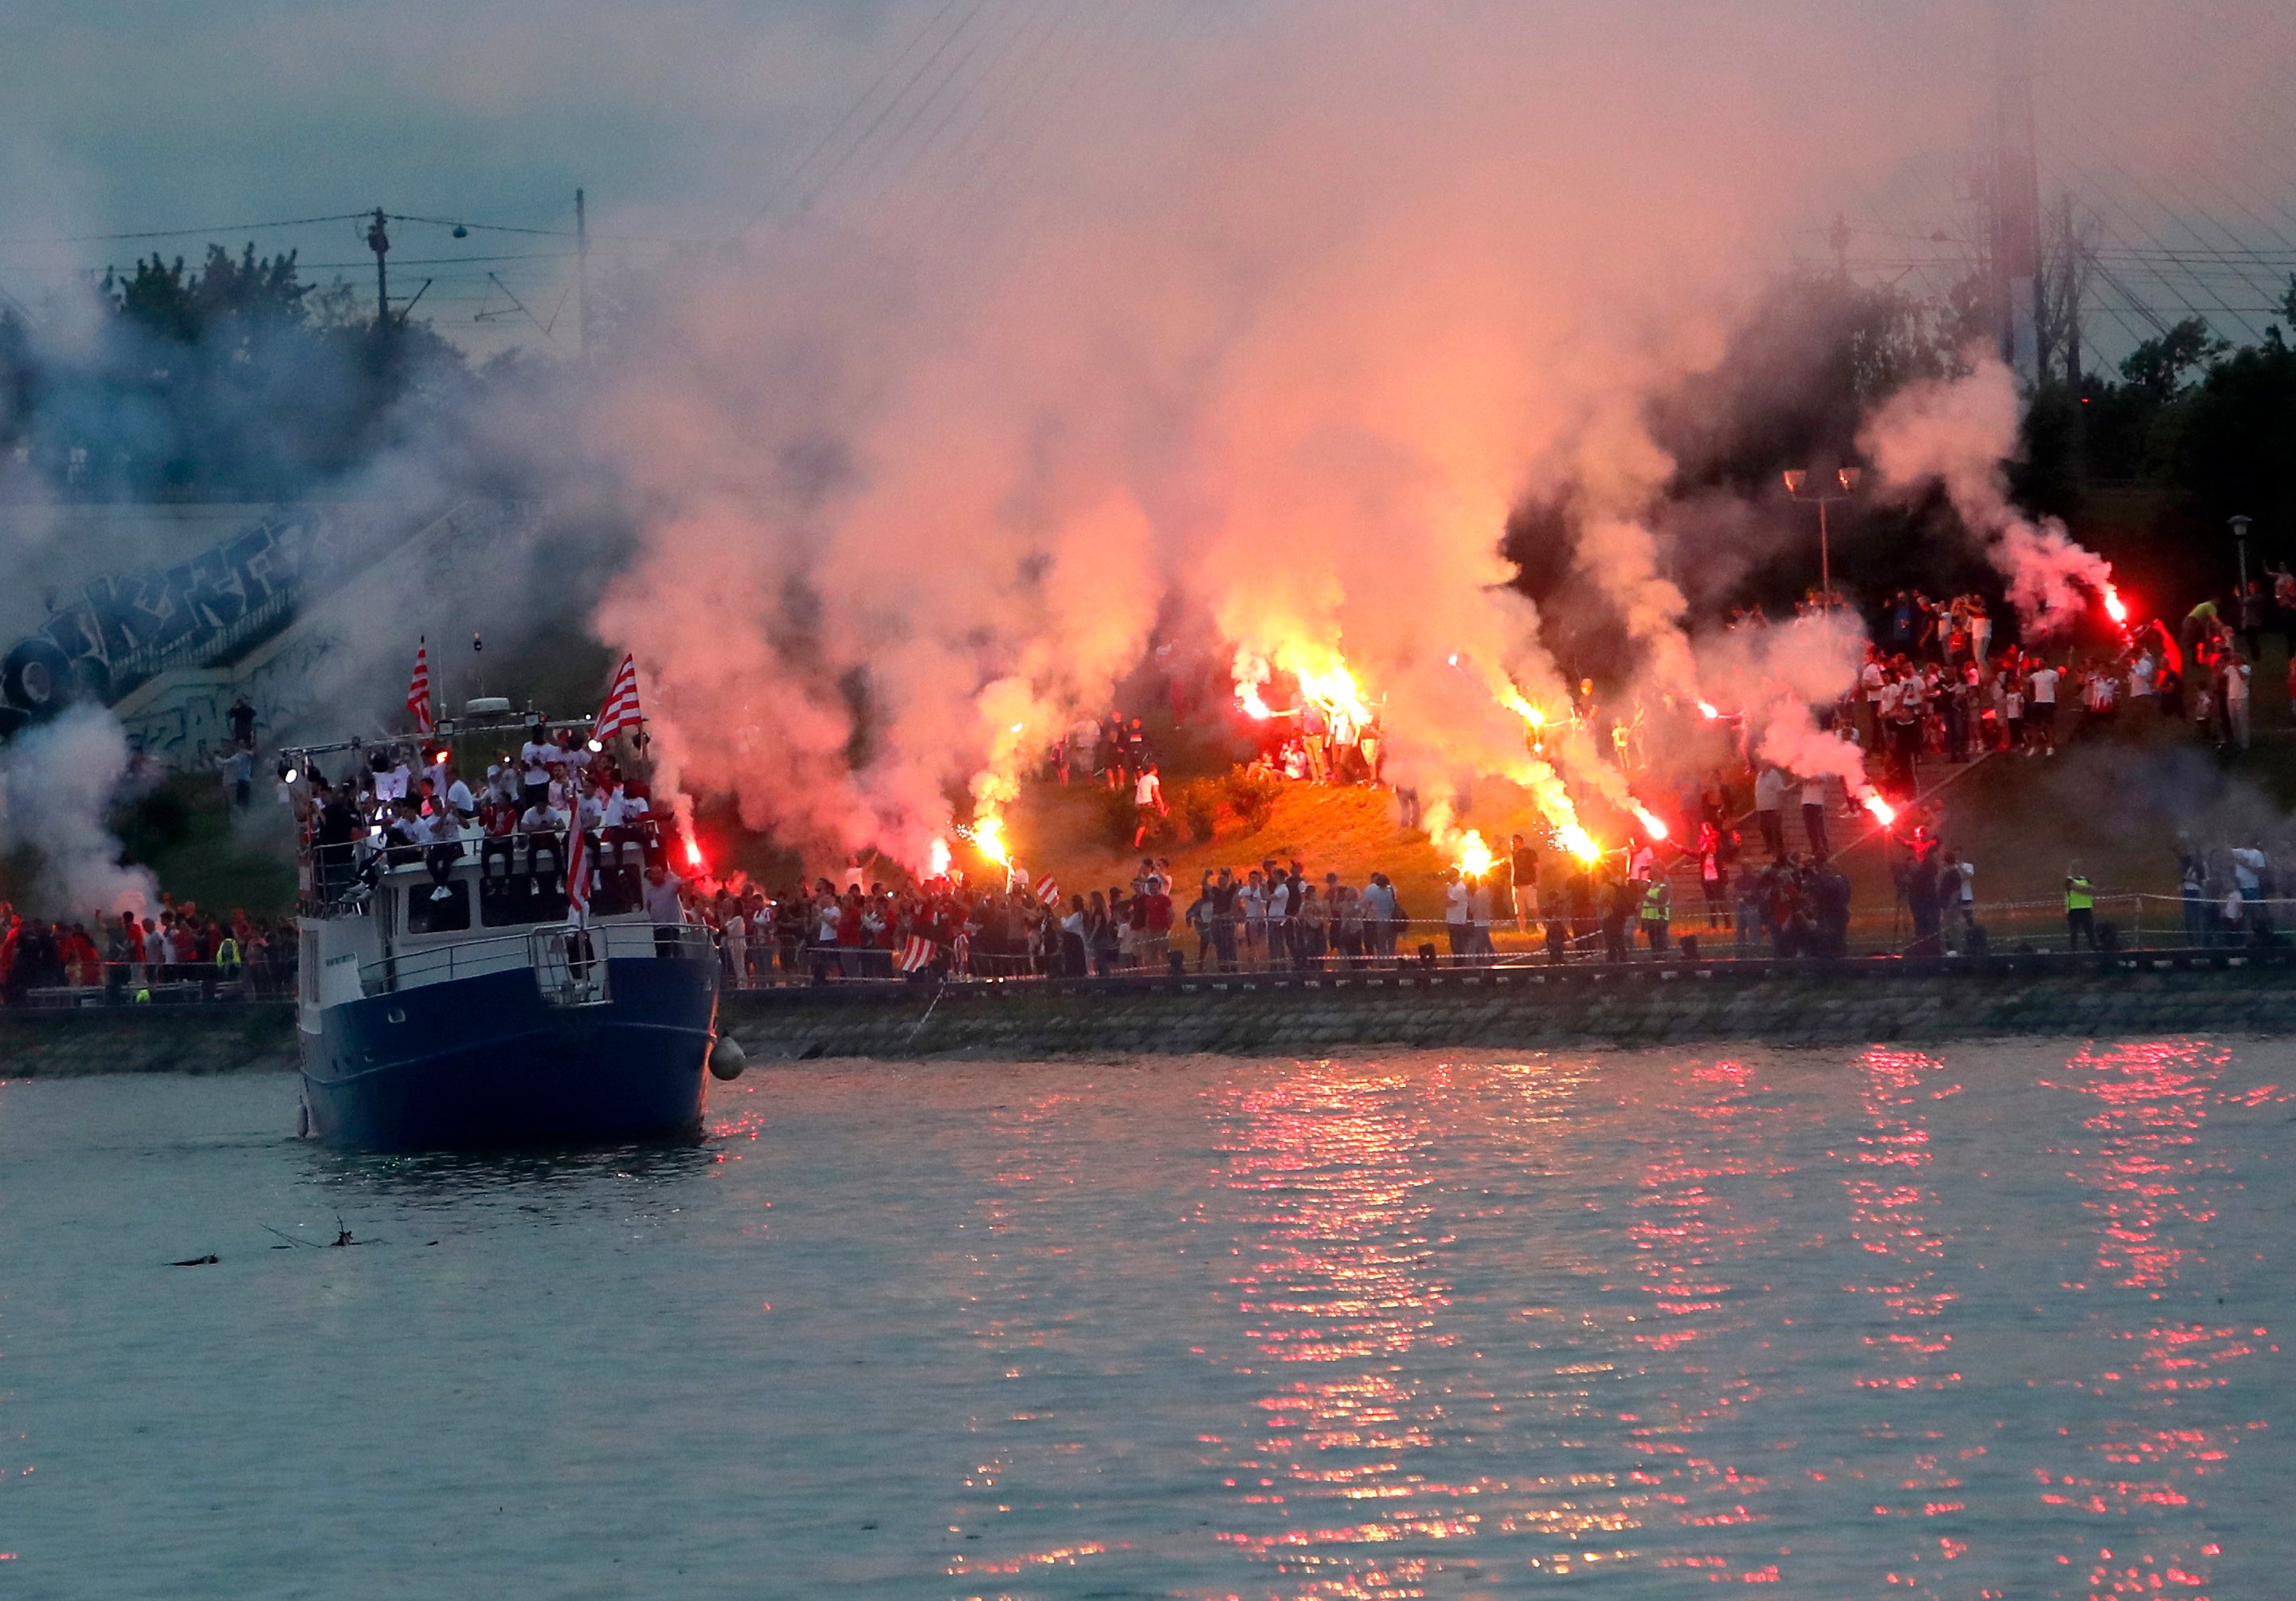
(622, 708)
(1048, 891)
(918, 953)
(418, 691)
(578, 873)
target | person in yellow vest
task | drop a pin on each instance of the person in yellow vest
(226, 957)
(1658, 913)
(2080, 909)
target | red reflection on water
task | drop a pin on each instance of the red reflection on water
(2143, 1481)
(1688, 1241)
(1909, 1350)
(1336, 1289)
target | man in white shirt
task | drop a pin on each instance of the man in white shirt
(1458, 912)
(534, 765)
(1874, 678)
(2041, 707)
(1769, 808)
(541, 824)
(1148, 803)
(1813, 816)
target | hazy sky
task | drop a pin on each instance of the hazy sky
(684, 119)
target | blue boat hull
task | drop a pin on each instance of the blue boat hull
(485, 1061)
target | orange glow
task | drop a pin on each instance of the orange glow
(988, 839)
(1475, 857)
(937, 859)
(693, 853)
(1882, 809)
(1650, 821)
(2113, 607)
(1579, 843)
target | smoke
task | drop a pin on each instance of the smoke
(57, 782)
(1776, 675)
(1957, 433)
(1291, 331)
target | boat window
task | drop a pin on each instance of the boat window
(426, 916)
(508, 901)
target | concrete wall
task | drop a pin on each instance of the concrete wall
(1847, 1004)
(1835, 1006)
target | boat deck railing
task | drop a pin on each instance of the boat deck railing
(557, 952)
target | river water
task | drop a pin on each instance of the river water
(2005, 1320)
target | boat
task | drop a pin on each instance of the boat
(484, 1017)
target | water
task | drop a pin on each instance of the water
(2004, 1321)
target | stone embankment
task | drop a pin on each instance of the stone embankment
(1513, 1008)
(1531, 1008)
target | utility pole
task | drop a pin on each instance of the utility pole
(2016, 186)
(2074, 262)
(379, 242)
(581, 276)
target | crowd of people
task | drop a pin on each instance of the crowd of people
(403, 803)
(179, 949)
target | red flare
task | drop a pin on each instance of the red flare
(1882, 809)
(2114, 608)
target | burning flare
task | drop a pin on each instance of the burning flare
(2113, 607)
(1474, 856)
(1707, 711)
(987, 837)
(937, 859)
(1880, 809)
(1579, 843)
(1650, 821)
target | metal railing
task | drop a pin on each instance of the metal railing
(528, 948)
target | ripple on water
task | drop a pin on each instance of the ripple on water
(2002, 1320)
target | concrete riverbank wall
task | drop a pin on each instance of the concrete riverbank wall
(1519, 1009)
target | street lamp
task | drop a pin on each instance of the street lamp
(2240, 539)
(1847, 477)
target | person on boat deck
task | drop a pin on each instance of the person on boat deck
(541, 824)
(499, 816)
(534, 765)
(460, 801)
(624, 818)
(444, 830)
(665, 907)
(404, 837)
(392, 783)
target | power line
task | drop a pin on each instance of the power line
(237, 227)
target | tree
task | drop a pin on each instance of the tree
(2158, 366)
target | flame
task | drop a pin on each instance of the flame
(2114, 608)
(1649, 820)
(1880, 809)
(1324, 674)
(937, 859)
(988, 839)
(1474, 856)
(1250, 673)
(1579, 843)
(693, 854)
(1707, 711)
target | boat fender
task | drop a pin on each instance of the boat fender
(727, 1059)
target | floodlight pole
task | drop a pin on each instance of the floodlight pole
(1847, 477)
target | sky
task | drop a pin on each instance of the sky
(686, 122)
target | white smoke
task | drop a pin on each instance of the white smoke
(57, 783)
(1958, 433)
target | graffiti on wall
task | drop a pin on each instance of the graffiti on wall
(120, 629)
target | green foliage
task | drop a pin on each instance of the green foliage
(1197, 804)
(234, 379)
(2156, 367)
(1251, 796)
